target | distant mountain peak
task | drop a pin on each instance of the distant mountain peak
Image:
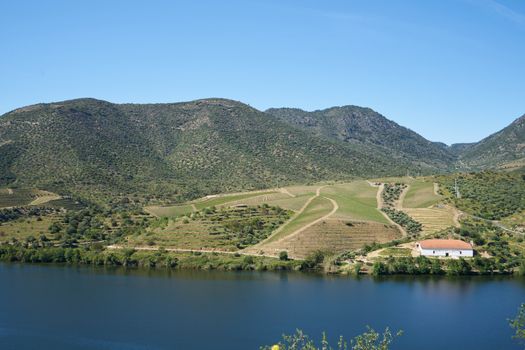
(362, 125)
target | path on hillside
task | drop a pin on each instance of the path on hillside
(285, 191)
(493, 222)
(379, 199)
(399, 203)
(312, 223)
(45, 197)
(436, 189)
(458, 213)
(294, 216)
(183, 250)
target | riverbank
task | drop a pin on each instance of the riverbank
(340, 265)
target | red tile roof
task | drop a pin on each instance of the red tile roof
(444, 244)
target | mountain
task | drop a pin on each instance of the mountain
(459, 148)
(363, 126)
(504, 149)
(101, 150)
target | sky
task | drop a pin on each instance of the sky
(451, 70)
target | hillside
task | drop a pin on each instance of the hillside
(184, 150)
(505, 148)
(363, 126)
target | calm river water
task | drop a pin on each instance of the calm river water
(56, 307)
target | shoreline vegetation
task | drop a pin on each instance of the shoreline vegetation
(318, 262)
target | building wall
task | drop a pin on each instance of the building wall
(443, 252)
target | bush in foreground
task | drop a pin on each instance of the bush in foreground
(369, 340)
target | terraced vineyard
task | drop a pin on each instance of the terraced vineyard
(25, 196)
(268, 198)
(421, 203)
(222, 229)
(333, 236)
(318, 208)
(433, 219)
(16, 197)
(331, 217)
(249, 198)
(169, 211)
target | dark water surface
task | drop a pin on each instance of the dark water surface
(56, 307)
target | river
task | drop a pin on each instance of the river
(59, 307)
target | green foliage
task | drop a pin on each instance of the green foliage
(92, 255)
(313, 260)
(283, 255)
(489, 195)
(412, 226)
(225, 228)
(518, 324)
(103, 151)
(504, 247)
(369, 340)
(24, 212)
(498, 149)
(391, 193)
(458, 267)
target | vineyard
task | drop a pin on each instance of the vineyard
(333, 236)
(226, 229)
(432, 219)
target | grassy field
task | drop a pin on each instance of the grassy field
(294, 199)
(302, 190)
(249, 198)
(23, 228)
(400, 179)
(223, 199)
(356, 200)
(268, 198)
(421, 195)
(169, 211)
(294, 204)
(396, 252)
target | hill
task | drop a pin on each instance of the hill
(364, 126)
(179, 151)
(505, 148)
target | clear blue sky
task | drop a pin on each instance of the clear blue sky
(452, 70)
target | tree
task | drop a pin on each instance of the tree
(283, 255)
(518, 323)
(379, 268)
(521, 269)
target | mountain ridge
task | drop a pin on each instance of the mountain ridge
(180, 150)
(188, 149)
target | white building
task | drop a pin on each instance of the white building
(445, 247)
